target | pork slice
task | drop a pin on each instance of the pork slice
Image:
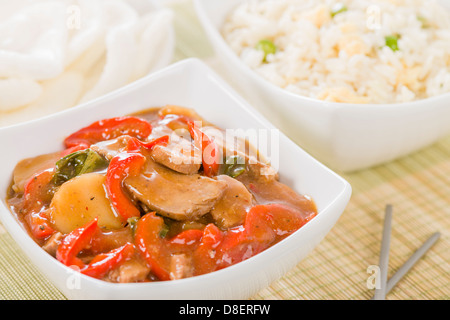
(133, 270)
(172, 194)
(51, 245)
(179, 155)
(232, 208)
(259, 171)
(110, 148)
(277, 192)
(26, 168)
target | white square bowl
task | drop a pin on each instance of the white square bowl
(344, 136)
(192, 84)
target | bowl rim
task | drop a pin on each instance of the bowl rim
(219, 39)
(23, 239)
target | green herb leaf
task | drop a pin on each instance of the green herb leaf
(392, 42)
(267, 46)
(77, 163)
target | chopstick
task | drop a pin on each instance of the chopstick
(380, 293)
(387, 285)
(412, 260)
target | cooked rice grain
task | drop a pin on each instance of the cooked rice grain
(344, 58)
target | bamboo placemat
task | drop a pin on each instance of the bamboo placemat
(418, 187)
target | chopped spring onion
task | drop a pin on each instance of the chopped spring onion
(424, 22)
(164, 231)
(392, 42)
(234, 166)
(338, 8)
(133, 223)
(267, 46)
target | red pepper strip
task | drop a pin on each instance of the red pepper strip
(121, 166)
(258, 227)
(39, 225)
(235, 247)
(151, 246)
(79, 147)
(186, 240)
(110, 129)
(104, 262)
(134, 145)
(206, 256)
(74, 242)
(36, 194)
(264, 225)
(210, 151)
(279, 218)
(243, 242)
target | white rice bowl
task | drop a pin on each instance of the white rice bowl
(345, 57)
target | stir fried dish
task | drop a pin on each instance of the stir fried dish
(157, 195)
